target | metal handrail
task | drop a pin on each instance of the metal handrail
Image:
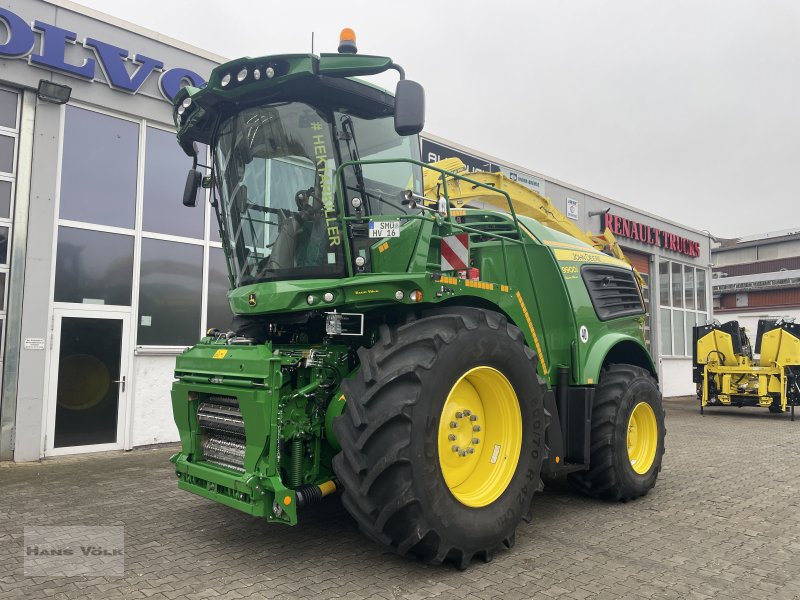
(339, 183)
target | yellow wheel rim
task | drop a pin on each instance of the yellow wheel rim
(480, 436)
(642, 438)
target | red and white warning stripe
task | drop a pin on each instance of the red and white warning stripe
(455, 252)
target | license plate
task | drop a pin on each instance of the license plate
(384, 229)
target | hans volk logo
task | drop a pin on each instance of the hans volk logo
(251, 299)
(20, 40)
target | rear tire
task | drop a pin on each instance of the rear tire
(627, 439)
(390, 467)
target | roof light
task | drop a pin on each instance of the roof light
(347, 41)
(256, 74)
(241, 75)
(226, 79)
(269, 72)
(187, 102)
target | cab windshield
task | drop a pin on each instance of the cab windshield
(274, 169)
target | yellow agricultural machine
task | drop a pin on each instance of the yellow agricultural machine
(726, 372)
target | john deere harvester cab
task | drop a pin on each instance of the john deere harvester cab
(430, 354)
(726, 372)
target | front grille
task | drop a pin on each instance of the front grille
(224, 451)
(614, 291)
(222, 431)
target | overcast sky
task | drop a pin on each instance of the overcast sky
(688, 109)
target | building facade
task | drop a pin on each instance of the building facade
(757, 277)
(106, 277)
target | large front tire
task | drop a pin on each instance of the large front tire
(627, 438)
(415, 478)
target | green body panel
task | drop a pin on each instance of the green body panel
(286, 390)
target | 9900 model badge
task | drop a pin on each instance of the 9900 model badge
(251, 299)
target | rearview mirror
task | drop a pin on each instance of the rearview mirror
(409, 107)
(193, 180)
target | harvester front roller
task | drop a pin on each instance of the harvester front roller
(443, 436)
(627, 439)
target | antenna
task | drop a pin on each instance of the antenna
(312, 42)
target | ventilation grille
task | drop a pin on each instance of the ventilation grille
(614, 292)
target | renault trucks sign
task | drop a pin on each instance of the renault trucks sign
(653, 236)
(111, 60)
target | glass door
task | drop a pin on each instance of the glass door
(88, 381)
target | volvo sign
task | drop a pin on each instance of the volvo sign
(20, 41)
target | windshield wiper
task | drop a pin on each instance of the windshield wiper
(348, 134)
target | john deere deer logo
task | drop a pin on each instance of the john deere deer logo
(251, 299)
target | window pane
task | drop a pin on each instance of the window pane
(93, 266)
(5, 199)
(691, 321)
(663, 283)
(701, 289)
(3, 245)
(688, 286)
(677, 285)
(7, 154)
(213, 234)
(2, 291)
(98, 178)
(665, 332)
(678, 333)
(165, 170)
(219, 311)
(8, 109)
(170, 293)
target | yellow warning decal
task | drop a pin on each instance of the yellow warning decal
(220, 354)
(473, 283)
(481, 285)
(533, 332)
(383, 247)
(458, 212)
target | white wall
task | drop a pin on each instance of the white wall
(152, 406)
(676, 377)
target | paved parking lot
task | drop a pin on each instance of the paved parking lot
(722, 522)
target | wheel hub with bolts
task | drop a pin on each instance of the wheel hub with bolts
(480, 436)
(466, 432)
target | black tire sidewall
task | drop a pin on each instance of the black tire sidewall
(484, 526)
